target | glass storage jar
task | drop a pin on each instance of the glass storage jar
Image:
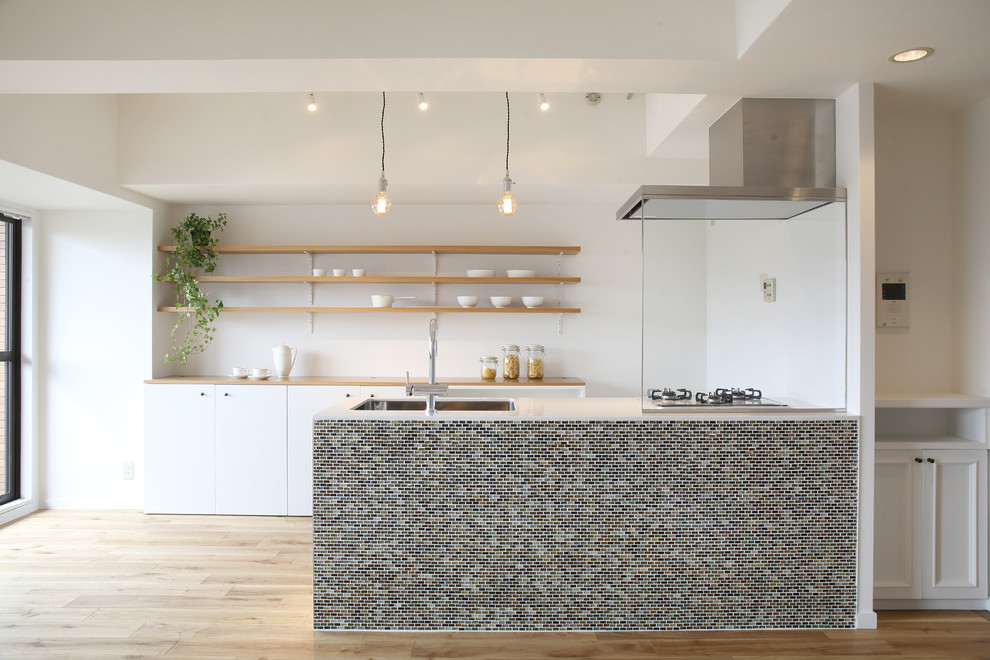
(535, 361)
(489, 365)
(510, 361)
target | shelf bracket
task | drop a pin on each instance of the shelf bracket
(435, 272)
(310, 315)
(560, 320)
(310, 285)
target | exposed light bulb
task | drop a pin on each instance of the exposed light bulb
(381, 204)
(311, 106)
(423, 105)
(507, 204)
(544, 106)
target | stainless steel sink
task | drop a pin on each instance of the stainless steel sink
(443, 405)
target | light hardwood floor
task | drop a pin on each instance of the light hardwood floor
(126, 585)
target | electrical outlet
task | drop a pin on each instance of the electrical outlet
(128, 470)
(769, 287)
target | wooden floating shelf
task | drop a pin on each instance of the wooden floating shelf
(386, 310)
(390, 249)
(386, 279)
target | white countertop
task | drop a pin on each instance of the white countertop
(578, 409)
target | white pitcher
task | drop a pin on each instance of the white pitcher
(284, 357)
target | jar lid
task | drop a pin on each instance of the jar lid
(487, 358)
(510, 347)
(534, 347)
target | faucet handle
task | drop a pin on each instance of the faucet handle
(409, 387)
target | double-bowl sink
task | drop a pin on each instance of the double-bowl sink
(443, 405)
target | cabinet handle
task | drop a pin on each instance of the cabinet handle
(226, 393)
(931, 460)
(917, 460)
(347, 395)
(202, 393)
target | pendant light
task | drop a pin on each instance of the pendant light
(381, 204)
(506, 203)
(311, 106)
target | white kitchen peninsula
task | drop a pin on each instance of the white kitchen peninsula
(584, 515)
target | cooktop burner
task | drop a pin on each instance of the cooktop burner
(722, 396)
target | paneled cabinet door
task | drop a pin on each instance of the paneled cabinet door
(303, 403)
(251, 449)
(956, 524)
(898, 530)
(178, 449)
(930, 530)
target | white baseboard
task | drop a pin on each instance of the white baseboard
(17, 509)
(866, 620)
(977, 604)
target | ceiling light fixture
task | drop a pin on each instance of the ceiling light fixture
(911, 54)
(381, 205)
(544, 106)
(311, 106)
(506, 204)
(423, 105)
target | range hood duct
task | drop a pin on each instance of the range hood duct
(768, 159)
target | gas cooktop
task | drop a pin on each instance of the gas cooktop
(721, 397)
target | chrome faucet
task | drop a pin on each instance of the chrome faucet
(431, 390)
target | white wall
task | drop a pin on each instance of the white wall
(600, 345)
(973, 249)
(916, 209)
(855, 171)
(794, 347)
(93, 273)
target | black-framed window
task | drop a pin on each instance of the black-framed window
(10, 358)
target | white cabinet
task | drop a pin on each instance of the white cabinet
(303, 403)
(931, 528)
(251, 450)
(179, 449)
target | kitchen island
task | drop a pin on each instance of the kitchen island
(584, 515)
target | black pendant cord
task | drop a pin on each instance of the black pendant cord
(507, 133)
(383, 134)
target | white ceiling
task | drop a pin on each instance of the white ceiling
(718, 50)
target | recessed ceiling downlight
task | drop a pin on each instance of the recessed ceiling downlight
(912, 54)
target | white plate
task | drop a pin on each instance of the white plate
(521, 273)
(258, 377)
(238, 375)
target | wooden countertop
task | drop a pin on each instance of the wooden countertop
(363, 380)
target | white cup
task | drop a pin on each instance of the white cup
(339, 272)
(261, 373)
(357, 272)
(240, 371)
(319, 272)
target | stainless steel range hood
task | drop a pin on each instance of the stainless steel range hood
(768, 159)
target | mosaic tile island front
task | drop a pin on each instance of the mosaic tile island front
(543, 521)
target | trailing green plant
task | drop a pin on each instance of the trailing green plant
(194, 253)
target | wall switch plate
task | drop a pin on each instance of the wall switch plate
(128, 470)
(768, 285)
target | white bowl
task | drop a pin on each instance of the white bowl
(532, 301)
(358, 272)
(467, 301)
(339, 272)
(319, 272)
(501, 301)
(386, 301)
(481, 273)
(521, 273)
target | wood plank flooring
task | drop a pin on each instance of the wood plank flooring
(125, 585)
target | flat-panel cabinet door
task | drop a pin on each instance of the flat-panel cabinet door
(303, 403)
(956, 517)
(251, 449)
(179, 449)
(898, 530)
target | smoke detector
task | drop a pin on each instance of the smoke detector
(593, 98)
